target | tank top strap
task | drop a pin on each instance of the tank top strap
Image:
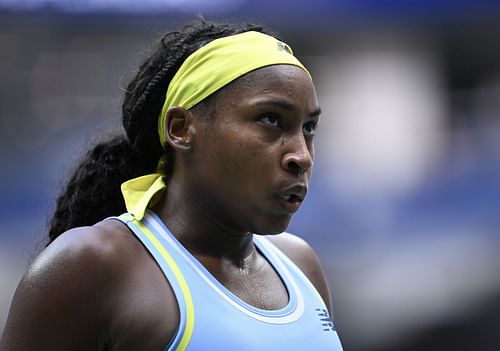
(163, 256)
(288, 267)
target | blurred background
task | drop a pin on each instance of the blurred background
(404, 209)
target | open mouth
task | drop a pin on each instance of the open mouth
(292, 198)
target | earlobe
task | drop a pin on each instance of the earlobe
(178, 131)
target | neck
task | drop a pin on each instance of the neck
(200, 229)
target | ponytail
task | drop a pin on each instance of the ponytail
(93, 191)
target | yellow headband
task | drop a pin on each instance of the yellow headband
(219, 63)
(203, 73)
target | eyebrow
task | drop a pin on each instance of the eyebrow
(285, 105)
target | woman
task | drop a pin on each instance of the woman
(229, 156)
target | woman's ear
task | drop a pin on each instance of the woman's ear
(178, 128)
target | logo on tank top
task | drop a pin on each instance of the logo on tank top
(326, 321)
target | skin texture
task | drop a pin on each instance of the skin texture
(97, 288)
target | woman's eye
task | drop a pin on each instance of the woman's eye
(310, 127)
(271, 120)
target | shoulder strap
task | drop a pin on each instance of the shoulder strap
(285, 261)
(174, 275)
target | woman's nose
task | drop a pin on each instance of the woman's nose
(299, 156)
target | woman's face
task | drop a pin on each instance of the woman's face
(254, 159)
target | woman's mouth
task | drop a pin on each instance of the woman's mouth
(291, 200)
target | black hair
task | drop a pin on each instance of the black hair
(92, 192)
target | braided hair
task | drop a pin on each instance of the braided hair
(92, 192)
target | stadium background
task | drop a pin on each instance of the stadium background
(404, 208)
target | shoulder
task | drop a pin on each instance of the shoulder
(69, 289)
(304, 256)
(86, 256)
(77, 265)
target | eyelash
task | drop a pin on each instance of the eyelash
(313, 125)
(266, 119)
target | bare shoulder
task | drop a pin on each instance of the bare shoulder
(86, 257)
(74, 254)
(72, 278)
(304, 256)
(66, 297)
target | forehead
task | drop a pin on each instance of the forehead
(276, 80)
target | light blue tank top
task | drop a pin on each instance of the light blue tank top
(213, 318)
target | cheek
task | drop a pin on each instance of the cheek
(227, 154)
(245, 161)
(246, 167)
(238, 155)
